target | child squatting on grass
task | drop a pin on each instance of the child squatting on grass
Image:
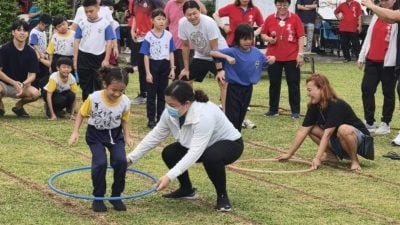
(108, 112)
(331, 123)
(60, 91)
(243, 66)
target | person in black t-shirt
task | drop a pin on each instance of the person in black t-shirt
(331, 123)
(18, 67)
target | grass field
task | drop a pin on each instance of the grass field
(31, 150)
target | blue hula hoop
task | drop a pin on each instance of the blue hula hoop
(92, 198)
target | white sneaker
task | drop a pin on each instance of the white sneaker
(396, 141)
(248, 124)
(370, 128)
(383, 129)
(138, 100)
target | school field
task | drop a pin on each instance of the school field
(31, 150)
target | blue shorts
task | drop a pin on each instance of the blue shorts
(337, 148)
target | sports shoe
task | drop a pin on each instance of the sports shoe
(370, 128)
(383, 129)
(138, 100)
(396, 141)
(20, 112)
(295, 116)
(248, 124)
(182, 194)
(271, 114)
(118, 205)
(98, 206)
(223, 204)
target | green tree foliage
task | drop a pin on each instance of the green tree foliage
(8, 13)
(57, 7)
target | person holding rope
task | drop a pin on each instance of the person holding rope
(203, 134)
(331, 123)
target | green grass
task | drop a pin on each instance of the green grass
(31, 150)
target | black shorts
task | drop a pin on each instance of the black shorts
(199, 68)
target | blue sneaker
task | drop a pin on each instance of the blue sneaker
(295, 116)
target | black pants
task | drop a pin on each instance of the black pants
(238, 98)
(114, 140)
(214, 159)
(374, 73)
(139, 60)
(292, 73)
(345, 39)
(42, 76)
(60, 100)
(88, 66)
(155, 92)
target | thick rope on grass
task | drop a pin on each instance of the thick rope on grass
(92, 198)
(235, 166)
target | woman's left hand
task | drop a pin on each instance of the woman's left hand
(162, 183)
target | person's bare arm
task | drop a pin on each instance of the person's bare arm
(388, 15)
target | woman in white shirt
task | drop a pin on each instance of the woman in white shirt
(202, 133)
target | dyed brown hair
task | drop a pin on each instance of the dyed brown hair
(327, 92)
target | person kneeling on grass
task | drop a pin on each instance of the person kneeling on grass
(203, 134)
(331, 123)
(60, 91)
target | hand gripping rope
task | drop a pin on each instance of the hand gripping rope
(91, 198)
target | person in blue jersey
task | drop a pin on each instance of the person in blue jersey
(243, 64)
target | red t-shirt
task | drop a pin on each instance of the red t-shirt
(142, 14)
(237, 16)
(379, 41)
(287, 32)
(350, 13)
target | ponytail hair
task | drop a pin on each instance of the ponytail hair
(110, 74)
(183, 92)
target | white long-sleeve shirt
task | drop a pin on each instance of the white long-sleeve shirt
(205, 124)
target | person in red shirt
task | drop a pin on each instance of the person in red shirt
(349, 13)
(284, 33)
(241, 11)
(378, 54)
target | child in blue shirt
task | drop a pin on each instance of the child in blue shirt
(158, 48)
(243, 65)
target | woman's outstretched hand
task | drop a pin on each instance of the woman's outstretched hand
(162, 183)
(283, 157)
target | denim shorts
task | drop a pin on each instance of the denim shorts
(337, 148)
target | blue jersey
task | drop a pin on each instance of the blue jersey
(248, 67)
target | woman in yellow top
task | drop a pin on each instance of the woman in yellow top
(108, 112)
